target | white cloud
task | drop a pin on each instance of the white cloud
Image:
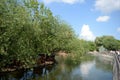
(64, 1)
(86, 33)
(107, 6)
(118, 29)
(102, 18)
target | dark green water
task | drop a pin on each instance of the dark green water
(95, 69)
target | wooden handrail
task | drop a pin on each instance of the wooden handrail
(116, 67)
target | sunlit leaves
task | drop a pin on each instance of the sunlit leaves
(28, 28)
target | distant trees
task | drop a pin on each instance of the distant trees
(109, 42)
(91, 46)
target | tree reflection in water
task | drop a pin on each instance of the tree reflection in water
(90, 69)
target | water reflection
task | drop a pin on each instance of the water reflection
(86, 67)
(89, 71)
(95, 69)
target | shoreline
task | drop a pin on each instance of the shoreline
(104, 55)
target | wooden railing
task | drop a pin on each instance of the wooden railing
(116, 67)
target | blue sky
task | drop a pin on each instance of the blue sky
(89, 18)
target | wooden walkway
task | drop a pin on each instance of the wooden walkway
(116, 67)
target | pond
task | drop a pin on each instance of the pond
(94, 69)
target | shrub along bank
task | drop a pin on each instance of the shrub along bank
(28, 28)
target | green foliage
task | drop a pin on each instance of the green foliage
(91, 46)
(109, 42)
(118, 41)
(98, 41)
(78, 49)
(27, 28)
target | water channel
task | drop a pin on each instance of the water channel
(94, 69)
